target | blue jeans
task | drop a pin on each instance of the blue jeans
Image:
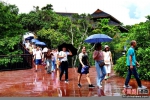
(134, 72)
(101, 72)
(49, 65)
(53, 65)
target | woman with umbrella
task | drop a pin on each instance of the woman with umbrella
(99, 59)
(83, 58)
(64, 62)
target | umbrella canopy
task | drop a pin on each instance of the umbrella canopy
(29, 38)
(40, 43)
(68, 46)
(34, 40)
(96, 38)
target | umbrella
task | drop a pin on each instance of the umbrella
(40, 43)
(34, 40)
(29, 38)
(68, 46)
(96, 38)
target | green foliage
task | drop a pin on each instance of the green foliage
(10, 32)
(141, 33)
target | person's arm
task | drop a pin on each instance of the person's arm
(60, 55)
(111, 58)
(80, 59)
(95, 54)
(130, 58)
(70, 53)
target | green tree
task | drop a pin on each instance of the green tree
(10, 29)
(141, 33)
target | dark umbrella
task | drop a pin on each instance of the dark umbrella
(29, 38)
(68, 46)
(97, 38)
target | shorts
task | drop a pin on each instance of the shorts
(37, 61)
(80, 68)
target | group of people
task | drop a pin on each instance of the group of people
(103, 63)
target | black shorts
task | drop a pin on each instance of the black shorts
(80, 68)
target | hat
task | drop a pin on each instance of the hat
(106, 46)
(45, 50)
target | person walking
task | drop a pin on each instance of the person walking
(132, 63)
(83, 59)
(49, 61)
(108, 61)
(99, 59)
(37, 57)
(53, 61)
(64, 63)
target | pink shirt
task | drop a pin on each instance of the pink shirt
(98, 55)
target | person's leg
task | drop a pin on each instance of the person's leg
(134, 72)
(88, 79)
(103, 73)
(98, 73)
(48, 66)
(66, 71)
(109, 70)
(62, 69)
(79, 77)
(36, 64)
(106, 67)
(128, 77)
(52, 69)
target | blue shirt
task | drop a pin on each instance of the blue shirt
(131, 52)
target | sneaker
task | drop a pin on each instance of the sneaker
(66, 81)
(127, 86)
(100, 86)
(79, 85)
(48, 72)
(142, 87)
(91, 86)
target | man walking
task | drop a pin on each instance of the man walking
(132, 63)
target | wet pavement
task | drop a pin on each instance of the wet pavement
(28, 83)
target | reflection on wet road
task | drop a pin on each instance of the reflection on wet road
(27, 83)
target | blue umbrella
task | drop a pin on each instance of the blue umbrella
(96, 38)
(40, 43)
(34, 40)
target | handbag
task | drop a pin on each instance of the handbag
(85, 69)
(102, 64)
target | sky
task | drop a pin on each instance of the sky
(129, 12)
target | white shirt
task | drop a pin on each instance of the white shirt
(33, 51)
(27, 44)
(107, 57)
(38, 54)
(55, 55)
(62, 53)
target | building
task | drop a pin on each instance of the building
(99, 14)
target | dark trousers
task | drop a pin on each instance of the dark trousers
(134, 72)
(64, 67)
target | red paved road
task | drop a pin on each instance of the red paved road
(27, 83)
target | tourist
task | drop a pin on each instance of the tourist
(48, 57)
(83, 59)
(132, 63)
(107, 60)
(99, 60)
(53, 61)
(64, 63)
(37, 57)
